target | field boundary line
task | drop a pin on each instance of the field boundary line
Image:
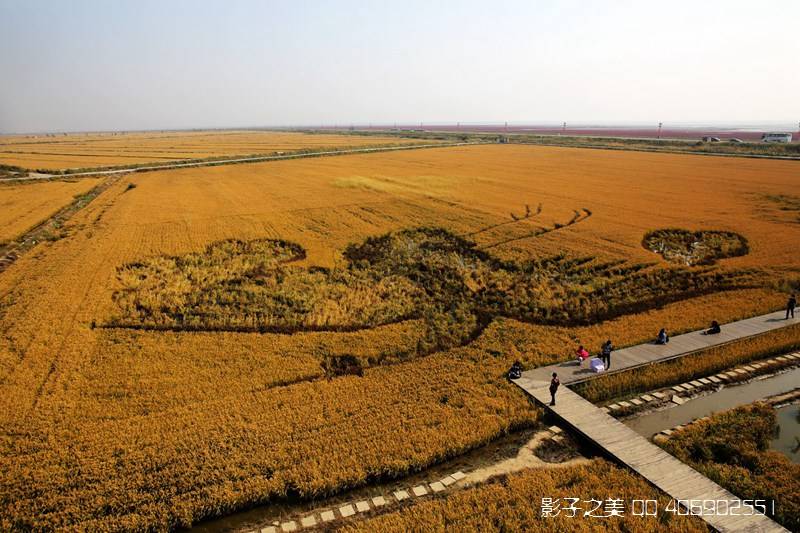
(238, 161)
(12, 249)
(658, 151)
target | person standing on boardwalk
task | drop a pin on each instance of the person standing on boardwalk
(605, 353)
(554, 383)
(790, 305)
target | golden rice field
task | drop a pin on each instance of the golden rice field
(96, 150)
(514, 503)
(24, 205)
(109, 425)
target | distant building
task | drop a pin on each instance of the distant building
(777, 137)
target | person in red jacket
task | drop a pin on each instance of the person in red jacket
(582, 354)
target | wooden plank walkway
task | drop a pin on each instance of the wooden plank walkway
(645, 354)
(675, 478)
(678, 480)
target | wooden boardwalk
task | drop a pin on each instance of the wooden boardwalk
(645, 354)
(675, 478)
(672, 476)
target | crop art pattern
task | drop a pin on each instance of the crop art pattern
(695, 247)
(424, 273)
(250, 286)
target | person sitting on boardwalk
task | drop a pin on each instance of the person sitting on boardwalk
(515, 372)
(790, 305)
(605, 353)
(582, 354)
(554, 383)
(662, 338)
(714, 329)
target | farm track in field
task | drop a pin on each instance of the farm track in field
(661, 150)
(579, 216)
(235, 161)
(12, 250)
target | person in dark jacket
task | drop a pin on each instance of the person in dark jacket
(662, 338)
(605, 353)
(554, 383)
(714, 329)
(515, 372)
(790, 305)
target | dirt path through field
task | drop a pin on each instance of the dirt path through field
(11, 251)
(234, 161)
(530, 448)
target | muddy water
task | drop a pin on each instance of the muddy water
(728, 398)
(787, 441)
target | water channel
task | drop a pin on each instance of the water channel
(729, 397)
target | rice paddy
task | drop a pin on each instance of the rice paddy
(139, 390)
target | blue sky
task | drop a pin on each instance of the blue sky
(98, 65)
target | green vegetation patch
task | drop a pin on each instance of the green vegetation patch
(732, 449)
(689, 248)
(12, 172)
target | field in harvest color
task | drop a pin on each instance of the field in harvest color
(134, 427)
(24, 205)
(513, 504)
(96, 150)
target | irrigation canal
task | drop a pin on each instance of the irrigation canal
(728, 398)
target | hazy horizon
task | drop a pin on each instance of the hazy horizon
(774, 125)
(111, 66)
